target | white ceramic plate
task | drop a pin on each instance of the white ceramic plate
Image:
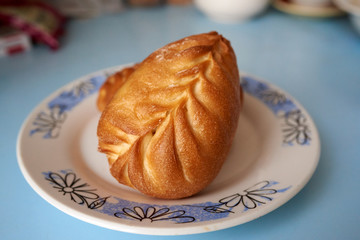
(275, 152)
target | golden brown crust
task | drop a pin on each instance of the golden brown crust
(111, 85)
(169, 127)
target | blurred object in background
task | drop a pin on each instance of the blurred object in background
(145, 3)
(232, 11)
(352, 7)
(309, 8)
(13, 41)
(180, 2)
(86, 8)
(39, 20)
(314, 3)
(93, 8)
(112, 6)
(149, 3)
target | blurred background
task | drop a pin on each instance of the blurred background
(309, 48)
(33, 22)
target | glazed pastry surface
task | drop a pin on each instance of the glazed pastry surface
(170, 121)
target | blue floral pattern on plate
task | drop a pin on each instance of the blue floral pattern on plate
(295, 127)
(68, 184)
(49, 122)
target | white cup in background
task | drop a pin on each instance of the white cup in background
(231, 11)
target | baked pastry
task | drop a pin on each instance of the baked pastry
(169, 127)
(111, 85)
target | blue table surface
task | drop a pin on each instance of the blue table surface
(315, 60)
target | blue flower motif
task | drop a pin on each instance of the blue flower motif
(49, 123)
(69, 99)
(152, 214)
(70, 185)
(250, 198)
(273, 97)
(296, 129)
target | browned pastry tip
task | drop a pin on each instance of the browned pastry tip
(111, 85)
(169, 127)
